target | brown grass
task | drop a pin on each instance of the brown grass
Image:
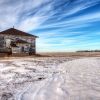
(71, 54)
(55, 54)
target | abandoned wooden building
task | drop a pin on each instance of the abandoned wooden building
(13, 41)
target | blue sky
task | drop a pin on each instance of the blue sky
(62, 25)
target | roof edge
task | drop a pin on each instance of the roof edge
(14, 29)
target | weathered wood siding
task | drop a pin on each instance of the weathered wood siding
(2, 42)
(5, 41)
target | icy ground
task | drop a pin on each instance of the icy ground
(50, 79)
(17, 75)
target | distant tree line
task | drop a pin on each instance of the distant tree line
(88, 51)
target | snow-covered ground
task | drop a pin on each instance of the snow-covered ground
(52, 78)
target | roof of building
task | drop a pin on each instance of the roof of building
(13, 31)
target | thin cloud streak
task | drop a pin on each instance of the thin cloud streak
(61, 24)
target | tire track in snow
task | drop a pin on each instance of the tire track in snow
(45, 89)
(79, 83)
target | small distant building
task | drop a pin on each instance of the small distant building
(13, 41)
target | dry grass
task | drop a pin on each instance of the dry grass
(71, 54)
(55, 54)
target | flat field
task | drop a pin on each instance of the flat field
(50, 78)
(71, 54)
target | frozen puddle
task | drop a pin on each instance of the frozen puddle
(77, 80)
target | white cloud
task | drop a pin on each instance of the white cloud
(31, 14)
(18, 12)
(31, 23)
